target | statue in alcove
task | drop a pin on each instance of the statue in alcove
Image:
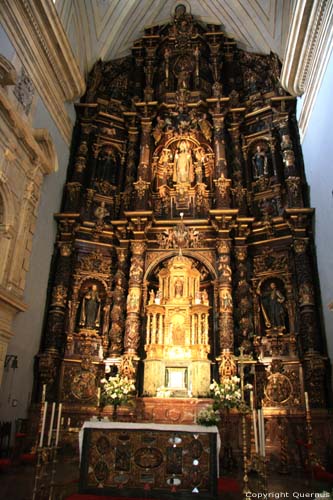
(179, 287)
(183, 167)
(106, 166)
(91, 308)
(260, 163)
(273, 307)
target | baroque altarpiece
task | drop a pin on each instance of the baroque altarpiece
(184, 236)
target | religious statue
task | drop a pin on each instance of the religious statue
(183, 168)
(101, 212)
(199, 156)
(273, 309)
(259, 162)
(179, 287)
(206, 127)
(204, 297)
(151, 297)
(91, 308)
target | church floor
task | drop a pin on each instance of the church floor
(17, 483)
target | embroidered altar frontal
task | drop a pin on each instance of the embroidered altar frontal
(128, 462)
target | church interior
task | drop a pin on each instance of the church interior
(165, 238)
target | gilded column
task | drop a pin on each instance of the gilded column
(74, 187)
(116, 333)
(142, 184)
(54, 336)
(221, 181)
(132, 335)
(309, 325)
(243, 298)
(226, 335)
(238, 191)
(133, 136)
(292, 178)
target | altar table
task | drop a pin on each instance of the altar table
(159, 460)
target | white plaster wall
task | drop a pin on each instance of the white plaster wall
(318, 158)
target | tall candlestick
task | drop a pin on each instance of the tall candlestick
(58, 424)
(98, 396)
(255, 430)
(43, 425)
(51, 425)
(306, 397)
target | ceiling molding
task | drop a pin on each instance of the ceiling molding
(41, 43)
(110, 27)
(308, 49)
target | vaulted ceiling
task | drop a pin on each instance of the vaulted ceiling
(106, 29)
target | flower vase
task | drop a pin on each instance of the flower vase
(228, 462)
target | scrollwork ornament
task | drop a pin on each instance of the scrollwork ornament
(59, 295)
(141, 187)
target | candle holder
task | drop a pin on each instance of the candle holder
(246, 489)
(54, 459)
(41, 474)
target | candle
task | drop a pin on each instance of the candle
(68, 422)
(251, 400)
(263, 433)
(51, 425)
(58, 424)
(43, 393)
(260, 432)
(306, 397)
(43, 425)
(255, 430)
(98, 396)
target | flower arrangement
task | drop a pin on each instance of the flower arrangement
(208, 416)
(163, 392)
(228, 394)
(116, 390)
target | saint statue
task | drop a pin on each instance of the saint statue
(273, 307)
(183, 168)
(179, 286)
(151, 297)
(259, 162)
(91, 308)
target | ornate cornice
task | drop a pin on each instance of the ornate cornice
(42, 46)
(308, 49)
